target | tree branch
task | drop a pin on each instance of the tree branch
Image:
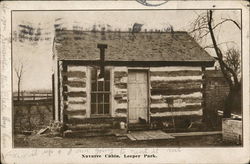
(217, 50)
(233, 21)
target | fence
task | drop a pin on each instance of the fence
(33, 96)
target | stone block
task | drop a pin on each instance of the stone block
(232, 131)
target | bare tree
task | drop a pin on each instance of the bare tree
(233, 60)
(204, 26)
(19, 70)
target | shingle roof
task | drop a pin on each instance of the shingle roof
(125, 46)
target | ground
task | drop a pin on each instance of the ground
(36, 141)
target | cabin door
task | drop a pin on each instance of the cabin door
(138, 96)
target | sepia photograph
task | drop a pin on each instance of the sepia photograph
(135, 81)
(127, 78)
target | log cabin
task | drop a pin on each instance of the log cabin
(106, 78)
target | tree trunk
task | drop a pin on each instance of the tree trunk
(232, 102)
(18, 89)
(226, 71)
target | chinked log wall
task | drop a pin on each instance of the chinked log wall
(181, 84)
(75, 97)
(74, 92)
(120, 91)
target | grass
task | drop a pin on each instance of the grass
(35, 141)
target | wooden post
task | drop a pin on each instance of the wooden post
(64, 117)
(58, 91)
(53, 96)
(204, 115)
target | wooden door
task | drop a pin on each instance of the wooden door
(138, 96)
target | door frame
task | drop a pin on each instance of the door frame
(148, 92)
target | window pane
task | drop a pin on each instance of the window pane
(93, 109)
(106, 108)
(106, 98)
(93, 74)
(93, 97)
(100, 86)
(100, 108)
(107, 74)
(100, 98)
(107, 86)
(93, 86)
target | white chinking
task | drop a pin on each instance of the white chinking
(177, 78)
(77, 68)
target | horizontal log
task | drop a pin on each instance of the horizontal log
(75, 94)
(120, 74)
(174, 68)
(121, 105)
(176, 84)
(121, 110)
(176, 73)
(72, 108)
(121, 85)
(193, 118)
(80, 74)
(120, 96)
(75, 105)
(161, 91)
(121, 80)
(179, 113)
(178, 78)
(75, 102)
(75, 112)
(97, 120)
(70, 117)
(121, 100)
(186, 100)
(174, 109)
(120, 115)
(75, 83)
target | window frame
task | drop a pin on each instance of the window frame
(103, 92)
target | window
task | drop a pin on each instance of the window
(100, 92)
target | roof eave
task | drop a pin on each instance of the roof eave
(209, 63)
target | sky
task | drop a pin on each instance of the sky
(36, 54)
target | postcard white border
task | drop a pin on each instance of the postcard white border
(74, 155)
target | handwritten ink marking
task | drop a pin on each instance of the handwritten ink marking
(69, 152)
(145, 3)
(122, 151)
(3, 21)
(4, 7)
(48, 152)
(34, 153)
(5, 137)
(100, 151)
(5, 119)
